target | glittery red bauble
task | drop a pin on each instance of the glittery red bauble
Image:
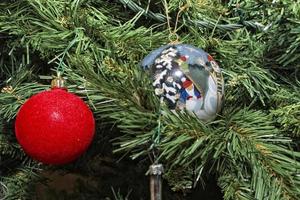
(55, 127)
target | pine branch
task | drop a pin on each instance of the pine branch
(202, 21)
(288, 118)
(251, 138)
(99, 47)
(136, 8)
(12, 98)
(19, 184)
(10, 152)
(285, 49)
(247, 76)
(235, 186)
(285, 95)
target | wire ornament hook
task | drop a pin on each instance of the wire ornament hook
(173, 36)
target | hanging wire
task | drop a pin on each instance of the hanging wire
(156, 137)
(167, 15)
(181, 9)
(173, 36)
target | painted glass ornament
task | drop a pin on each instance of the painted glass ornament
(186, 77)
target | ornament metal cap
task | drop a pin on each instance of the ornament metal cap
(58, 82)
(156, 169)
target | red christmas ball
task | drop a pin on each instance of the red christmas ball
(55, 126)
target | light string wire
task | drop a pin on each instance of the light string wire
(156, 136)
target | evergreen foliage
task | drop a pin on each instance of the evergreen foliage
(253, 145)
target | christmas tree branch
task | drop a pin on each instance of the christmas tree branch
(275, 166)
(253, 158)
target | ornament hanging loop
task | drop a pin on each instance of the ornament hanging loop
(173, 36)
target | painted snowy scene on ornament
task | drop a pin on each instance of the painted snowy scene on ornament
(186, 77)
